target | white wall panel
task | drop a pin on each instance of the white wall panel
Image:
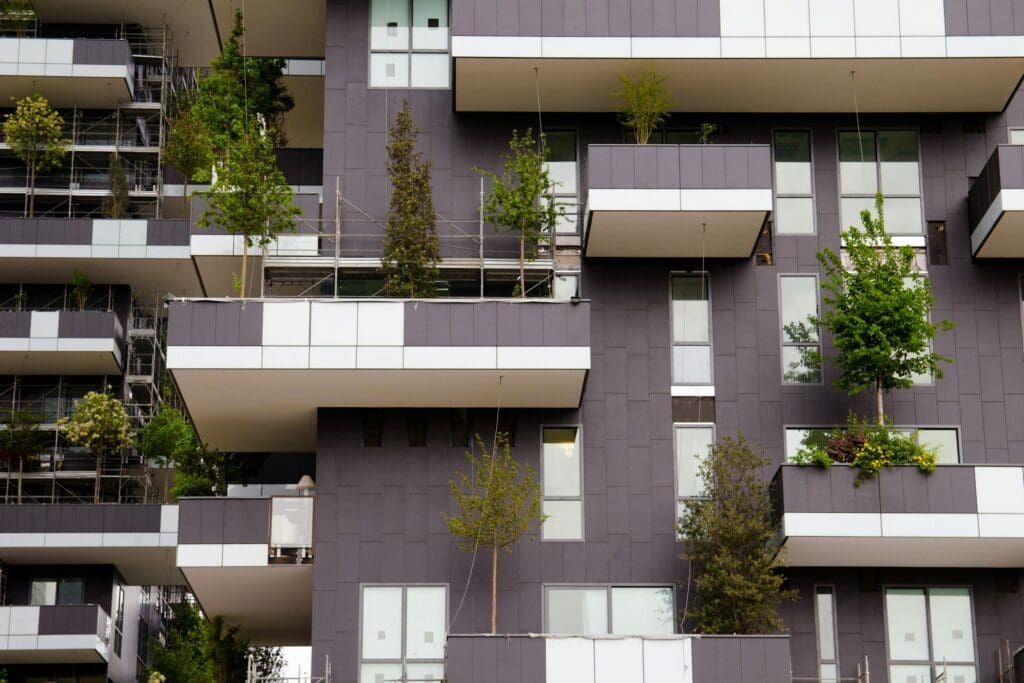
(381, 324)
(786, 18)
(876, 17)
(668, 661)
(742, 17)
(999, 489)
(569, 660)
(333, 324)
(44, 324)
(922, 18)
(286, 323)
(619, 661)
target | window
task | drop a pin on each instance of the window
(944, 440)
(794, 183)
(1017, 136)
(825, 613)
(416, 428)
(798, 302)
(621, 610)
(930, 633)
(118, 620)
(887, 162)
(563, 170)
(409, 44)
(70, 591)
(691, 330)
(566, 285)
(691, 443)
(561, 484)
(403, 633)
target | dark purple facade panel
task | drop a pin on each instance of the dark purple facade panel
(45, 231)
(15, 324)
(70, 620)
(496, 323)
(215, 323)
(86, 324)
(168, 232)
(75, 518)
(495, 659)
(101, 51)
(224, 520)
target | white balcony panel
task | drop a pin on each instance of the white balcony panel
(379, 358)
(450, 357)
(284, 357)
(245, 555)
(543, 358)
(32, 50)
(60, 51)
(725, 200)
(1000, 489)
(569, 659)
(677, 48)
(743, 48)
(286, 323)
(633, 200)
(831, 18)
(209, 357)
(169, 519)
(788, 48)
(332, 357)
(922, 18)
(44, 324)
(86, 345)
(381, 324)
(786, 18)
(496, 46)
(24, 621)
(619, 661)
(603, 47)
(44, 344)
(832, 524)
(200, 555)
(876, 17)
(333, 324)
(8, 50)
(668, 661)
(74, 540)
(923, 46)
(133, 232)
(742, 17)
(930, 525)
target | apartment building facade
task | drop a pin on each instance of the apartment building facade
(655, 323)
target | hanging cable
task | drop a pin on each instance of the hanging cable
(856, 115)
(540, 119)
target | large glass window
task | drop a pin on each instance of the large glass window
(562, 484)
(798, 302)
(403, 633)
(563, 170)
(884, 161)
(691, 330)
(930, 634)
(67, 591)
(409, 44)
(621, 610)
(692, 442)
(944, 440)
(794, 183)
(825, 614)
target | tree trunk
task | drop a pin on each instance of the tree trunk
(880, 403)
(21, 475)
(245, 262)
(188, 203)
(31, 191)
(494, 589)
(522, 264)
(99, 473)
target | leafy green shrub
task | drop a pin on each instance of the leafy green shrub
(868, 447)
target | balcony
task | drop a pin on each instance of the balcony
(53, 634)
(60, 342)
(610, 659)
(672, 201)
(958, 516)
(995, 205)
(138, 539)
(285, 359)
(152, 256)
(250, 561)
(83, 72)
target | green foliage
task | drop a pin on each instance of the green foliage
(498, 502)
(167, 437)
(250, 196)
(878, 312)
(99, 423)
(411, 247)
(868, 447)
(522, 200)
(81, 288)
(705, 132)
(644, 104)
(34, 132)
(17, 17)
(188, 148)
(729, 538)
(20, 436)
(117, 204)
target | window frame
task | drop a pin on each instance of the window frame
(57, 582)
(409, 51)
(671, 327)
(574, 197)
(403, 662)
(927, 589)
(580, 498)
(1010, 130)
(607, 588)
(835, 632)
(786, 456)
(783, 344)
(776, 195)
(680, 499)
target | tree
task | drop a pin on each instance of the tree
(411, 247)
(117, 204)
(34, 132)
(644, 104)
(167, 439)
(18, 17)
(250, 197)
(878, 312)
(497, 505)
(81, 288)
(522, 200)
(729, 536)
(21, 439)
(99, 423)
(182, 657)
(188, 148)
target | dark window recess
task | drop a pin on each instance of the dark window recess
(416, 427)
(507, 426)
(974, 124)
(373, 428)
(931, 125)
(462, 427)
(693, 409)
(433, 22)
(937, 254)
(1007, 581)
(870, 581)
(763, 255)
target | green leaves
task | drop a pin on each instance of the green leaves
(411, 247)
(99, 423)
(34, 132)
(645, 104)
(188, 148)
(729, 537)
(117, 204)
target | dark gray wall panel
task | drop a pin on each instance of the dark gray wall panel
(224, 520)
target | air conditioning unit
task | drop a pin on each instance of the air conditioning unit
(1018, 666)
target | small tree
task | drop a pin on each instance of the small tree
(411, 247)
(99, 423)
(117, 204)
(81, 288)
(729, 543)
(878, 312)
(35, 133)
(167, 439)
(250, 197)
(188, 148)
(497, 505)
(522, 200)
(181, 656)
(21, 439)
(644, 104)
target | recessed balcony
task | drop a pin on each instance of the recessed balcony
(284, 359)
(53, 634)
(250, 561)
(60, 342)
(957, 516)
(673, 201)
(83, 72)
(995, 205)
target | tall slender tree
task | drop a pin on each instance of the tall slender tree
(188, 148)
(117, 204)
(100, 423)
(411, 246)
(35, 133)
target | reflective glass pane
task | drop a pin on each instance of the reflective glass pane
(561, 145)
(944, 442)
(798, 301)
(580, 611)
(563, 176)
(1017, 136)
(858, 178)
(829, 673)
(380, 673)
(566, 286)
(897, 145)
(389, 25)
(901, 177)
(567, 222)
(424, 672)
(689, 288)
(425, 610)
(564, 520)
(793, 145)
(825, 612)
(956, 674)
(907, 624)
(72, 592)
(792, 178)
(690, 321)
(561, 464)
(691, 364)
(429, 24)
(856, 147)
(850, 208)
(796, 365)
(797, 438)
(389, 70)
(914, 673)
(429, 71)
(382, 622)
(903, 216)
(43, 593)
(794, 216)
(952, 630)
(691, 446)
(642, 611)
